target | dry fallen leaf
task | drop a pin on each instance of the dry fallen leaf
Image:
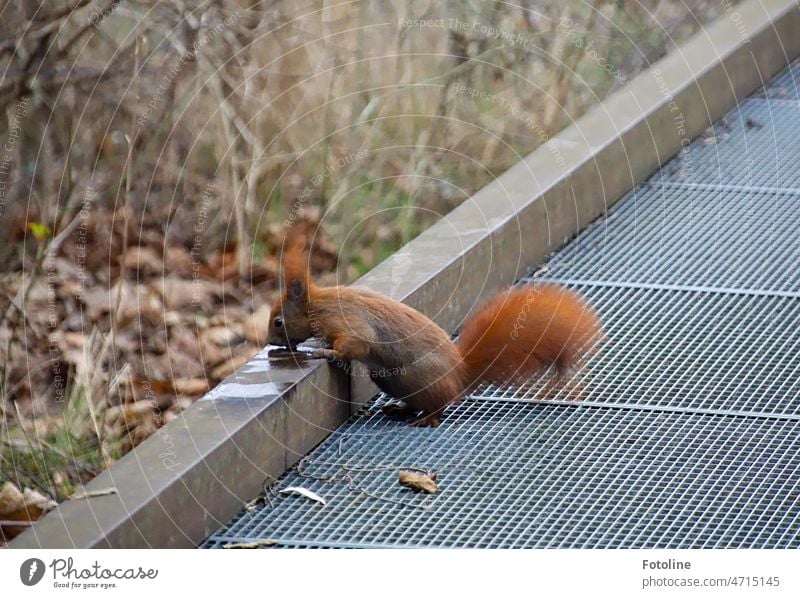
(222, 336)
(253, 544)
(226, 369)
(143, 431)
(181, 404)
(180, 293)
(255, 326)
(11, 499)
(131, 412)
(145, 260)
(304, 492)
(418, 481)
(190, 386)
(179, 260)
(35, 500)
(23, 507)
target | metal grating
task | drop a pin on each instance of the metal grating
(785, 86)
(705, 239)
(753, 147)
(682, 431)
(520, 475)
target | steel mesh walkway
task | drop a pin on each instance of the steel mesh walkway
(687, 432)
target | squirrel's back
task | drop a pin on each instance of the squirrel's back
(409, 356)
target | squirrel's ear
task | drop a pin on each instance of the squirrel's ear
(295, 269)
(295, 289)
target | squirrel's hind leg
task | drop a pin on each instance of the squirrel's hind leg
(398, 410)
(429, 420)
(402, 411)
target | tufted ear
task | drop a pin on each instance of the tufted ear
(296, 290)
(295, 269)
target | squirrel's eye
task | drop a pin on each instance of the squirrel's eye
(277, 322)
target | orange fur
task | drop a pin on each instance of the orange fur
(523, 330)
(295, 262)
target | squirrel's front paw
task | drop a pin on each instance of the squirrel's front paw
(328, 354)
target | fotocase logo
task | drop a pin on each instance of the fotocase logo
(31, 572)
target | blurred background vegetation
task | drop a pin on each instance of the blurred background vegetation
(151, 154)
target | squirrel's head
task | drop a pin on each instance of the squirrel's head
(289, 321)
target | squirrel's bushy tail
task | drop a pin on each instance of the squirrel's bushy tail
(523, 330)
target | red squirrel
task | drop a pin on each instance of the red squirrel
(516, 333)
